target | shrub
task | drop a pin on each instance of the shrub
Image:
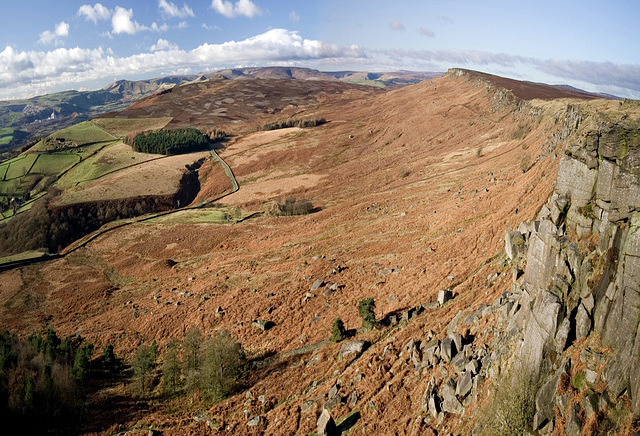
(366, 311)
(525, 163)
(338, 332)
(109, 359)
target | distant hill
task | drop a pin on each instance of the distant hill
(22, 120)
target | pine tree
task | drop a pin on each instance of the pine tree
(171, 370)
(142, 370)
(223, 364)
(365, 310)
(338, 332)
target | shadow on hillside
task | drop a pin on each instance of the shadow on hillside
(348, 422)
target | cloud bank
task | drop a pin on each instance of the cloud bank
(30, 72)
(620, 79)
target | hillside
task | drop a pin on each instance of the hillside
(416, 194)
(24, 120)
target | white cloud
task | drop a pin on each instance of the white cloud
(61, 31)
(294, 17)
(163, 44)
(94, 13)
(183, 25)
(426, 32)
(170, 10)
(241, 7)
(207, 27)
(27, 73)
(121, 22)
(396, 25)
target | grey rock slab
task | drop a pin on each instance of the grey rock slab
(444, 295)
(255, 421)
(326, 425)
(590, 405)
(447, 349)
(583, 322)
(317, 284)
(352, 347)
(545, 400)
(464, 385)
(574, 425)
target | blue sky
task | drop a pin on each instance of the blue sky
(48, 46)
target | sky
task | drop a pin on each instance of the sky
(54, 45)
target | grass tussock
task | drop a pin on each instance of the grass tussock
(513, 405)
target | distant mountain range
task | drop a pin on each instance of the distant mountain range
(22, 121)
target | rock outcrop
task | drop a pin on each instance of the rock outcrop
(582, 275)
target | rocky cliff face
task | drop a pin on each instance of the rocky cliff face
(579, 297)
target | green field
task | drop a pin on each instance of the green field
(6, 134)
(75, 136)
(20, 166)
(194, 216)
(52, 164)
(84, 133)
(121, 126)
(111, 158)
(22, 256)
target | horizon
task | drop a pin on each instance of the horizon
(86, 46)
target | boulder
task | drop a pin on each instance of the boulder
(447, 349)
(356, 347)
(444, 295)
(513, 244)
(464, 384)
(262, 324)
(450, 403)
(317, 284)
(255, 421)
(326, 425)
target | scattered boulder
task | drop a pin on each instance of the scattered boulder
(444, 295)
(450, 403)
(255, 421)
(317, 284)
(447, 349)
(262, 324)
(356, 347)
(464, 384)
(326, 425)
